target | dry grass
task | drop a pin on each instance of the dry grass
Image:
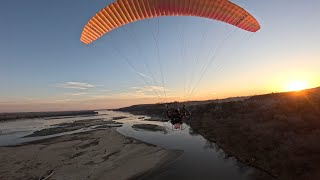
(276, 132)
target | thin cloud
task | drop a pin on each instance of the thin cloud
(150, 89)
(135, 95)
(143, 92)
(76, 85)
(78, 94)
(62, 100)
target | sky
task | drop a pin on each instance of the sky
(45, 67)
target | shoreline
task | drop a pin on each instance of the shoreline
(227, 149)
(231, 153)
(97, 154)
(53, 114)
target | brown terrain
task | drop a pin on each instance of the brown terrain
(100, 154)
(277, 133)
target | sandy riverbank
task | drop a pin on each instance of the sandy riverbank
(100, 154)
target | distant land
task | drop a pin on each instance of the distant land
(29, 115)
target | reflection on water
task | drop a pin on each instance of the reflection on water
(201, 159)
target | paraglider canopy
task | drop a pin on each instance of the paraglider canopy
(122, 12)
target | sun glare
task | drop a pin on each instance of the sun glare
(296, 86)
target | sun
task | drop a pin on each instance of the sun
(296, 86)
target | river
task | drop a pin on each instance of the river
(200, 160)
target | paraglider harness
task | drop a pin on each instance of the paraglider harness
(177, 117)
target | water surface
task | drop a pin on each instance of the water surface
(200, 160)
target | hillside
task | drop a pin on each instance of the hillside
(277, 133)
